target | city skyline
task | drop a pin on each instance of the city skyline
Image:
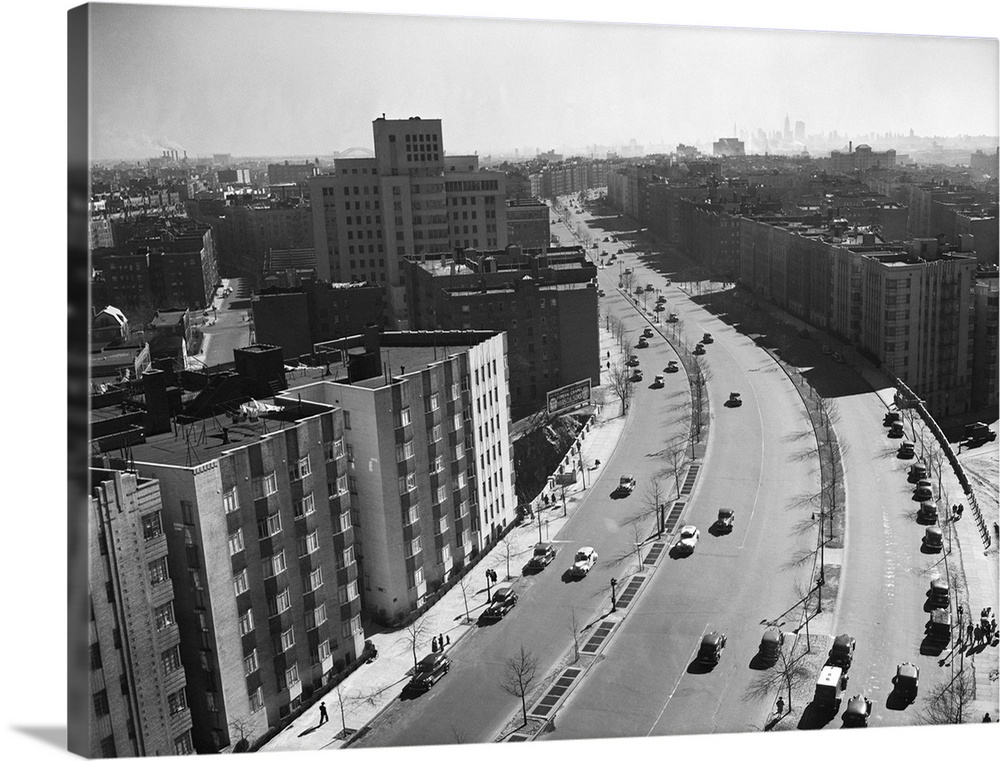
(260, 110)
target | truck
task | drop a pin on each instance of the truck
(830, 686)
(979, 433)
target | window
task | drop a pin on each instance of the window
(158, 571)
(236, 542)
(304, 506)
(323, 651)
(345, 521)
(265, 486)
(315, 617)
(442, 494)
(292, 675)
(250, 663)
(95, 657)
(348, 593)
(269, 526)
(101, 707)
(407, 483)
(404, 451)
(315, 579)
(347, 420)
(171, 659)
(177, 702)
(280, 603)
(311, 543)
(418, 577)
(164, 616)
(182, 745)
(108, 749)
(348, 556)
(272, 566)
(411, 514)
(438, 465)
(152, 527)
(287, 639)
(240, 582)
(246, 622)
(352, 484)
(351, 628)
(350, 454)
(403, 417)
(414, 546)
(230, 501)
(300, 470)
(257, 700)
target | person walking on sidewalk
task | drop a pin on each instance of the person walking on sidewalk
(323, 718)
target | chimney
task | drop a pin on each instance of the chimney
(850, 146)
(154, 388)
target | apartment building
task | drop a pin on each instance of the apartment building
(862, 158)
(426, 422)
(411, 199)
(571, 176)
(138, 686)
(545, 299)
(259, 541)
(278, 174)
(528, 223)
(985, 365)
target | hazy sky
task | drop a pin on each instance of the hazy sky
(263, 82)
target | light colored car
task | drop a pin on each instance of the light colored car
(688, 539)
(583, 561)
(671, 367)
(626, 484)
(658, 381)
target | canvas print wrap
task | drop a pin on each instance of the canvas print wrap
(650, 400)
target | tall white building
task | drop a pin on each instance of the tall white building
(410, 200)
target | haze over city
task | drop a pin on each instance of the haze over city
(310, 83)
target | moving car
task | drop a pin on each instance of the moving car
(658, 381)
(504, 598)
(688, 539)
(858, 710)
(659, 308)
(633, 361)
(542, 555)
(661, 299)
(724, 523)
(933, 539)
(626, 484)
(430, 669)
(906, 681)
(671, 367)
(712, 645)
(637, 376)
(770, 644)
(699, 349)
(673, 317)
(583, 561)
(601, 292)
(647, 333)
(707, 338)
(649, 287)
(734, 400)
(643, 343)
(842, 652)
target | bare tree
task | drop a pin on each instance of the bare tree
(520, 671)
(951, 702)
(621, 383)
(787, 674)
(343, 699)
(574, 627)
(508, 547)
(637, 540)
(655, 502)
(674, 461)
(628, 281)
(242, 728)
(416, 634)
(463, 583)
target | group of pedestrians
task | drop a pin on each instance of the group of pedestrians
(985, 632)
(956, 511)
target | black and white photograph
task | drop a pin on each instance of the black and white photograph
(447, 374)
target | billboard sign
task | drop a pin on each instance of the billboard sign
(568, 397)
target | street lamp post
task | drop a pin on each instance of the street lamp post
(488, 596)
(614, 603)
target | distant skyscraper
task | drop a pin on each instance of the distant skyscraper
(788, 129)
(800, 131)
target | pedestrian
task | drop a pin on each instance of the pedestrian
(440, 642)
(434, 644)
(447, 639)
(987, 719)
(968, 633)
(780, 705)
(323, 718)
(979, 634)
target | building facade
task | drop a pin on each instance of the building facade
(139, 693)
(528, 223)
(409, 200)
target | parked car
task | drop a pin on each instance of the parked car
(601, 292)
(770, 644)
(658, 381)
(905, 450)
(906, 681)
(710, 651)
(673, 317)
(933, 539)
(429, 670)
(637, 376)
(643, 343)
(647, 332)
(583, 561)
(661, 299)
(859, 708)
(922, 491)
(917, 472)
(542, 555)
(724, 523)
(638, 290)
(699, 349)
(890, 418)
(978, 433)
(939, 593)
(896, 431)
(734, 400)
(938, 626)
(504, 598)
(649, 287)
(626, 484)
(671, 367)
(927, 513)
(707, 338)
(687, 540)
(842, 652)
(633, 360)
(659, 308)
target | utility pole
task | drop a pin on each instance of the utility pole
(614, 604)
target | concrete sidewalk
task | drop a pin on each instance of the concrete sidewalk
(373, 686)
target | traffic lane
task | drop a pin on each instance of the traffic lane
(885, 576)
(598, 521)
(678, 596)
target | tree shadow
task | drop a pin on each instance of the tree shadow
(814, 717)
